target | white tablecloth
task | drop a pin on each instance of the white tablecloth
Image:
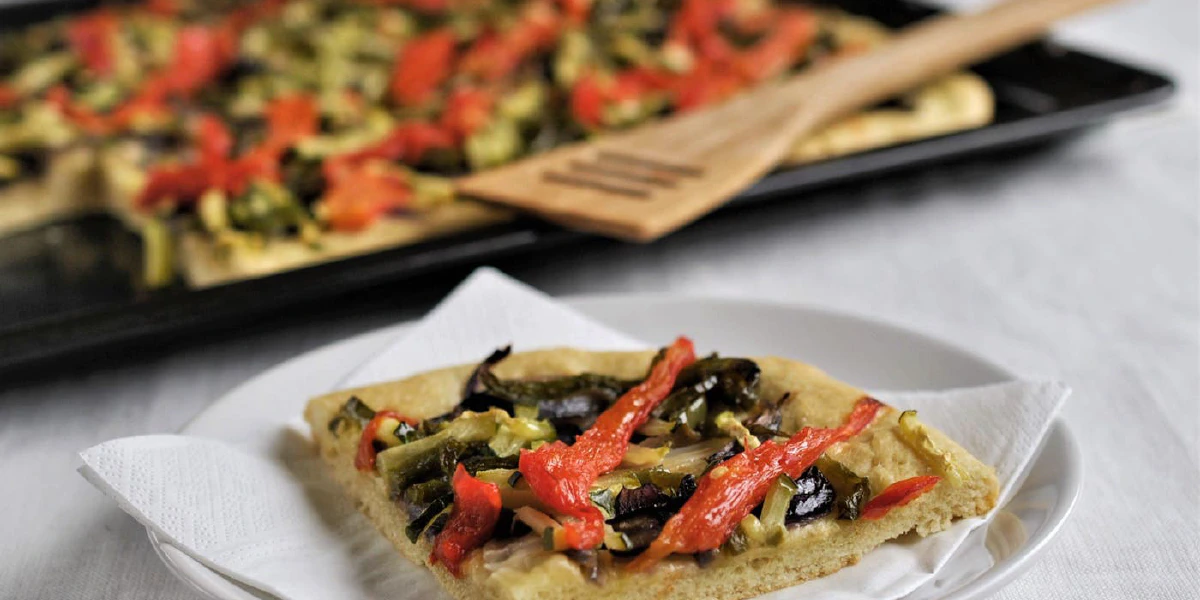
(1079, 262)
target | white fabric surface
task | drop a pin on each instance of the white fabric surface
(1076, 263)
(295, 535)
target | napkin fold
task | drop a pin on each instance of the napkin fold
(275, 521)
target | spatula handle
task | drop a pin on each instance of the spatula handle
(916, 55)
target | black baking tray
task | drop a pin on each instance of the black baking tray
(71, 287)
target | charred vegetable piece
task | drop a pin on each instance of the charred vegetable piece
(436, 525)
(767, 422)
(417, 525)
(423, 494)
(727, 452)
(814, 497)
(475, 464)
(354, 411)
(853, 491)
(638, 532)
(557, 389)
(403, 465)
(651, 497)
(473, 385)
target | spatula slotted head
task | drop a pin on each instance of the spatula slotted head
(646, 182)
(641, 184)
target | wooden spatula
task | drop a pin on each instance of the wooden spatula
(646, 182)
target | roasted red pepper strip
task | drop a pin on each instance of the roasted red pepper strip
(184, 183)
(362, 195)
(213, 141)
(468, 109)
(8, 96)
(896, 495)
(201, 54)
(365, 459)
(726, 494)
(91, 37)
(472, 520)
(794, 31)
(422, 65)
(290, 119)
(560, 475)
(588, 98)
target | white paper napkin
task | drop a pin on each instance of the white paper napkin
(275, 521)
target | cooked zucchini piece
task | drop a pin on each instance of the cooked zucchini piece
(574, 54)
(775, 506)
(158, 253)
(43, 72)
(913, 433)
(495, 144)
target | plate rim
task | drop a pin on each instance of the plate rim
(213, 585)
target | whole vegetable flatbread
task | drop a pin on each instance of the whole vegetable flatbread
(522, 569)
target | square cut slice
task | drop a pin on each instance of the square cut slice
(521, 570)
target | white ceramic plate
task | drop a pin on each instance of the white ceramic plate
(869, 353)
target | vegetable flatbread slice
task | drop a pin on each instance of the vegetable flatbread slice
(451, 434)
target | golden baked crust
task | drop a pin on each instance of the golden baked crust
(522, 571)
(952, 103)
(67, 188)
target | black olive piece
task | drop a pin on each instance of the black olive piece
(414, 529)
(567, 432)
(302, 176)
(242, 67)
(639, 530)
(814, 497)
(586, 403)
(649, 497)
(32, 161)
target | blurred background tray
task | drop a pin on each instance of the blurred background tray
(71, 288)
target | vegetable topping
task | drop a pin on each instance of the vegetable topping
(561, 475)
(730, 491)
(898, 494)
(365, 459)
(710, 470)
(472, 521)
